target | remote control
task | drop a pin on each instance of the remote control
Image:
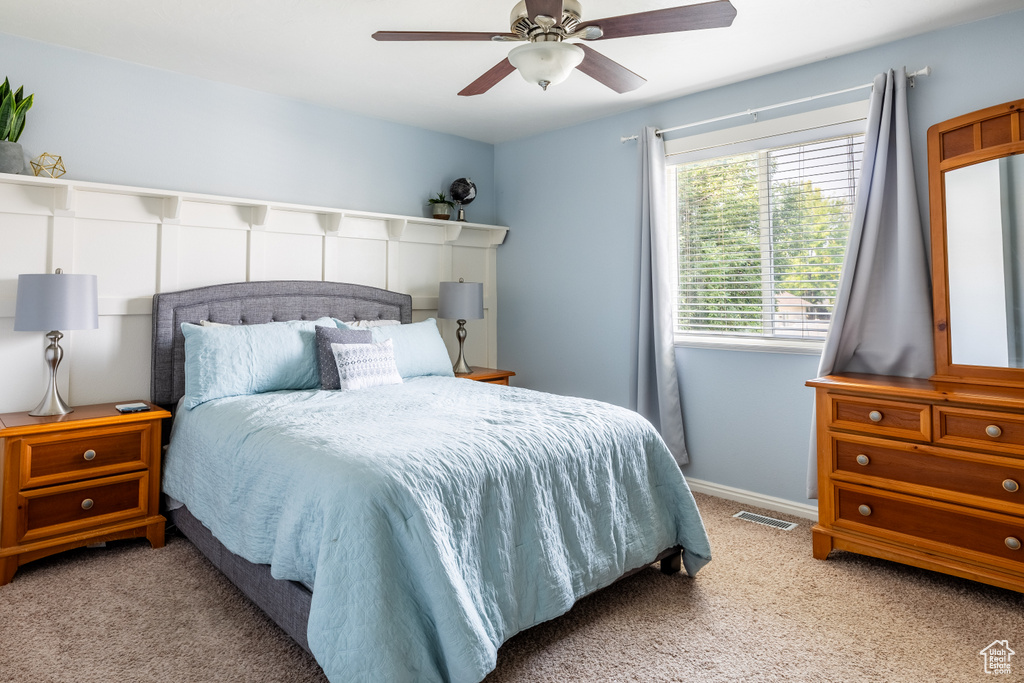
(131, 407)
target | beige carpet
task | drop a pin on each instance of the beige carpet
(763, 610)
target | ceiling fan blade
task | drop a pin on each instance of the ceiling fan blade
(440, 35)
(547, 8)
(489, 79)
(608, 71)
(716, 14)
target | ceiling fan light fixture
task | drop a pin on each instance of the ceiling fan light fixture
(546, 63)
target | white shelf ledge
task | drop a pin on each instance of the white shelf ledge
(335, 222)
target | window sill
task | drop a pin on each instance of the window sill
(797, 346)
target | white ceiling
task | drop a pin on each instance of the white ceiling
(321, 51)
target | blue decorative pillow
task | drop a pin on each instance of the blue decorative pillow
(249, 359)
(325, 337)
(419, 349)
(361, 366)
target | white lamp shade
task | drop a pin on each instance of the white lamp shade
(461, 301)
(546, 63)
(57, 301)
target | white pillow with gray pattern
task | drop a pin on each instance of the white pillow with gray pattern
(361, 366)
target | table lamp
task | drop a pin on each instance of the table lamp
(461, 301)
(55, 302)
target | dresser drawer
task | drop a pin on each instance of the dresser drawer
(82, 454)
(900, 419)
(893, 465)
(984, 429)
(936, 526)
(60, 509)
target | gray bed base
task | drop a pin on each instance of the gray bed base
(285, 602)
(249, 303)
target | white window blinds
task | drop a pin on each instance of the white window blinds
(762, 236)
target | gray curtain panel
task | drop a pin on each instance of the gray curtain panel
(882, 320)
(657, 383)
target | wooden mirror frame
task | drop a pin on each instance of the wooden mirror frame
(970, 139)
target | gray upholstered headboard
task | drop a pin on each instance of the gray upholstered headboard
(250, 303)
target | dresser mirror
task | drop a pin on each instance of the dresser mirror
(976, 186)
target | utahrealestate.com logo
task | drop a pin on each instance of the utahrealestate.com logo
(997, 657)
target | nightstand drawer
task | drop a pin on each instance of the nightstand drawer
(70, 456)
(988, 430)
(936, 526)
(893, 465)
(60, 509)
(881, 417)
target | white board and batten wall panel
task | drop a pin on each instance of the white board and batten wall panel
(140, 241)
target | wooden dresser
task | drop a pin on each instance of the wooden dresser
(89, 476)
(929, 472)
(922, 472)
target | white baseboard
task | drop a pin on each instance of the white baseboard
(760, 500)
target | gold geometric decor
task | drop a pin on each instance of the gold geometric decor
(47, 164)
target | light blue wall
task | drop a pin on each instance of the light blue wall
(117, 122)
(571, 198)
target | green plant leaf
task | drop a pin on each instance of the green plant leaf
(19, 94)
(6, 116)
(18, 124)
(4, 89)
(17, 128)
(24, 105)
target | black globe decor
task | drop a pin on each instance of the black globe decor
(462, 192)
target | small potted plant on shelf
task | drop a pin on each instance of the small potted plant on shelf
(13, 107)
(441, 206)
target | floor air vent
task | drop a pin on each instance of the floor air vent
(766, 521)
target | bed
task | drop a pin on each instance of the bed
(405, 532)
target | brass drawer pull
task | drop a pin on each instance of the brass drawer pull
(994, 431)
(1010, 485)
(87, 504)
(875, 416)
(863, 459)
(864, 510)
(89, 454)
(1012, 543)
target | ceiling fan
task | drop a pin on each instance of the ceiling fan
(546, 26)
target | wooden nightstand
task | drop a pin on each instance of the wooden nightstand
(489, 375)
(67, 481)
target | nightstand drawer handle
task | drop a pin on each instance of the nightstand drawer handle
(1010, 485)
(864, 510)
(875, 416)
(1012, 543)
(994, 431)
(87, 504)
(863, 459)
(89, 454)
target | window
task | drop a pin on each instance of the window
(762, 230)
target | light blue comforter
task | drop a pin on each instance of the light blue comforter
(435, 518)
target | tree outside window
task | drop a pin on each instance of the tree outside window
(762, 237)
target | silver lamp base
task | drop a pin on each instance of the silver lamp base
(52, 403)
(461, 367)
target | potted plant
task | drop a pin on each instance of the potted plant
(441, 206)
(13, 107)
